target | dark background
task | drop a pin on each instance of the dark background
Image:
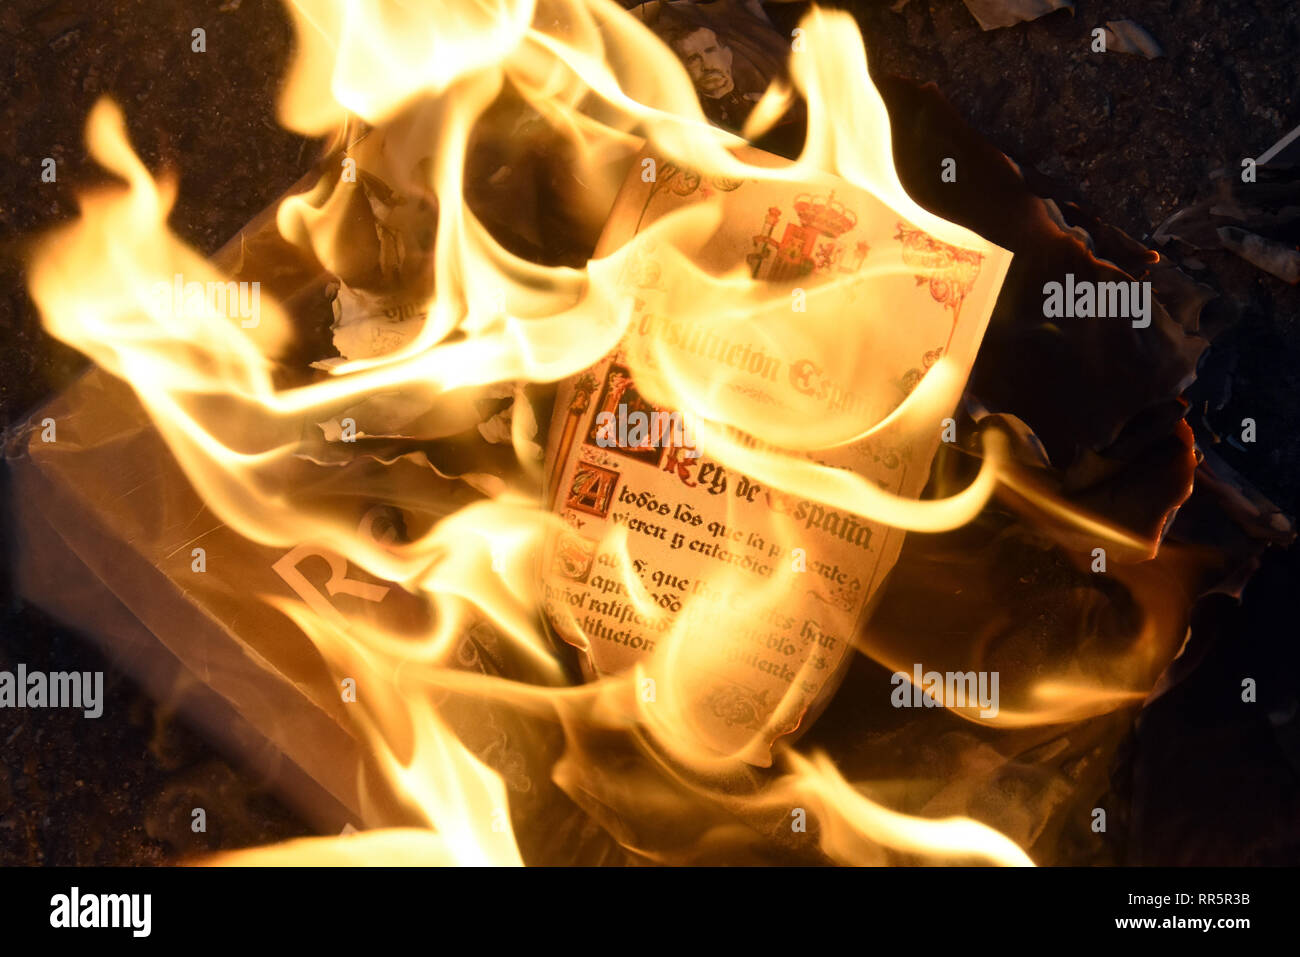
(1130, 140)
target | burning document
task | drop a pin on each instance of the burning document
(755, 370)
(779, 338)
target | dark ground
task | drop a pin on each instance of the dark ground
(1134, 141)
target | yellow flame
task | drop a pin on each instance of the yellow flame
(423, 75)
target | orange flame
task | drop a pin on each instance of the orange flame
(423, 75)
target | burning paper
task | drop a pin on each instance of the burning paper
(759, 358)
(746, 592)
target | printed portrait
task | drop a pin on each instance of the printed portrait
(729, 48)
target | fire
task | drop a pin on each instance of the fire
(423, 77)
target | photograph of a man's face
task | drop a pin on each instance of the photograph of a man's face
(730, 52)
(708, 60)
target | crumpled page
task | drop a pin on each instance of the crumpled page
(993, 14)
(108, 523)
(1258, 220)
(106, 530)
(1128, 36)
